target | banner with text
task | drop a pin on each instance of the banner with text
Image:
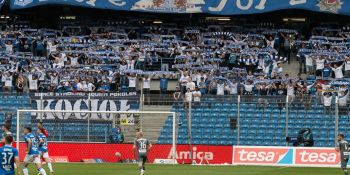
(84, 102)
(222, 7)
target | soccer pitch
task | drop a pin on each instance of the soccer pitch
(128, 169)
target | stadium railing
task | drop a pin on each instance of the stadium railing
(216, 120)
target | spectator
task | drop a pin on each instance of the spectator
(309, 64)
(196, 95)
(188, 96)
(347, 67)
(163, 84)
(20, 84)
(327, 102)
(91, 87)
(290, 91)
(132, 83)
(248, 88)
(203, 86)
(263, 91)
(6, 82)
(342, 102)
(33, 83)
(327, 71)
(177, 94)
(338, 71)
(8, 47)
(232, 88)
(220, 88)
(147, 87)
(104, 87)
(319, 66)
(190, 85)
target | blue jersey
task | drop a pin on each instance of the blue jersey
(7, 157)
(34, 146)
(326, 72)
(43, 146)
(163, 83)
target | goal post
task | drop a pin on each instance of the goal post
(163, 150)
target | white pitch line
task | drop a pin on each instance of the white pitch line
(284, 167)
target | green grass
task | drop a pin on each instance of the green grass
(128, 169)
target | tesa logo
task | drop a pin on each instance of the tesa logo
(259, 155)
(316, 156)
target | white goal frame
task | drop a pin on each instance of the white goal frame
(173, 114)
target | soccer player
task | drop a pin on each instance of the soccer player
(6, 131)
(44, 131)
(142, 146)
(32, 152)
(43, 151)
(9, 157)
(343, 148)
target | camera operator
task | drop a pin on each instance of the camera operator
(306, 137)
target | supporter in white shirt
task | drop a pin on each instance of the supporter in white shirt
(73, 60)
(327, 102)
(290, 92)
(41, 72)
(123, 66)
(84, 86)
(80, 86)
(51, 47)
(8, 47)
(201, 75)
(278, 69)
(220, 88)
(33, 83)
(338, 71)
(54, 78)
(7, 82)
(190, 85)
(319, 66)
(188, 95)
(91, 87)
(270, 42)
(132, 83)
(266, 69)
(197, 95)
(131, 64)
(248, 88)
(232, 88)
(59, 60)
(146, 82)
(342, 98)
(309, 64)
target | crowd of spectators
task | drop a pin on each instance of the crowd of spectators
(204, 60)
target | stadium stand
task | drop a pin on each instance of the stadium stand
(217, 61)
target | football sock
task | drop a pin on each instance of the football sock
(42, 171)
(50, 166)
(25, 171)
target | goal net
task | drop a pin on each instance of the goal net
(100, 136)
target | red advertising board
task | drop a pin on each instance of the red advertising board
(75, 152)
(316, 156)
(259, 155)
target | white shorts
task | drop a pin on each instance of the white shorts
(44, 155)
(32, 159)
